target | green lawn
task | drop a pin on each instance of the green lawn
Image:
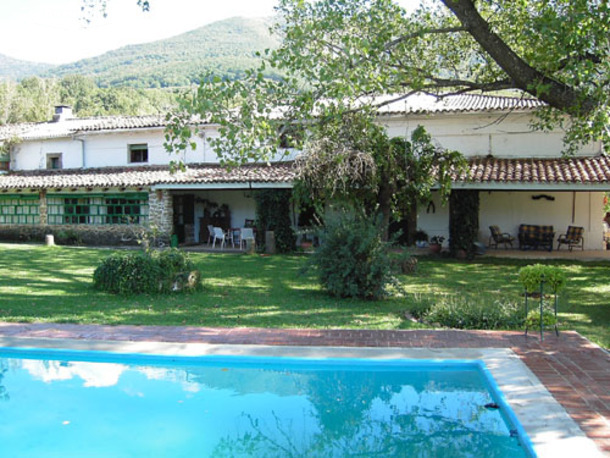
(54, 284)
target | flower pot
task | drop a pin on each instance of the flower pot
(435, 248)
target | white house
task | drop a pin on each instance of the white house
(100, 176)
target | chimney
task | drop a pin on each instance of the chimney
(62, 112)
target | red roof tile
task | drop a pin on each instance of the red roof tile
(146, 176)
(586, 170)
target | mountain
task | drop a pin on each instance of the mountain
(225, 47)
(17, 69)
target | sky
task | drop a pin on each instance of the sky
(53, 31)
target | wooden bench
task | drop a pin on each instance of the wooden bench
(534, 237)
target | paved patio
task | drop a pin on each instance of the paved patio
(575, 371)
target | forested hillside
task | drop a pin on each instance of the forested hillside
(225, 48)
(134, 80)
(33, 99)
(17, 69)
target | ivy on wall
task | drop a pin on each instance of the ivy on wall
(463, 221)
(273, 214)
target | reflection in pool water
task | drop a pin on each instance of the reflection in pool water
(246, 407)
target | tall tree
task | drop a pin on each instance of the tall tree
(556, 51)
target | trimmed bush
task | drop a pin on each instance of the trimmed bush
(146, 272)
(352, 260)
(531, 276)
(128, 273)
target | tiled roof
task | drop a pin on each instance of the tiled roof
(425, 103)
(488, 170)
(414, 104)
(72, 126)
(146, 176)
(586, 170)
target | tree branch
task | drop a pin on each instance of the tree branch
(526, 78)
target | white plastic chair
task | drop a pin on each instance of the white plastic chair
(246, 233)
(219, 235)
(211, 233)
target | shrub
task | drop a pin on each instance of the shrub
(463, 312)
(352, 260)
(273, 214)
(146, 272)
(176, 266)
(531, 276)
(128, 273)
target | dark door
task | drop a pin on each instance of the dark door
(184, 214)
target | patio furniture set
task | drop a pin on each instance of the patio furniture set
(535, 237)
(240, 236)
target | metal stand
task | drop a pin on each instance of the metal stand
(541, 311)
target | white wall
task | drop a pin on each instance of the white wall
(480, 134)
(510, 209)
(107, 149)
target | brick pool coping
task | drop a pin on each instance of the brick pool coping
(574, 370)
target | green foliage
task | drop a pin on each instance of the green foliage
(128, 273)
(138, 272)
(463, 221)
(533, 319)
(273, 214)
(531, 276)
(68, 237)
(352, 260)
(469, 312)
(33, 99)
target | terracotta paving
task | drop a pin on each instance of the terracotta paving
(575, 371)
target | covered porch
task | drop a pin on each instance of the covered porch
(544, 192)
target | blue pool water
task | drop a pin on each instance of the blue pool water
(73, 404)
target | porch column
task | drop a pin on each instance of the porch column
(161, 211)
(42, 207)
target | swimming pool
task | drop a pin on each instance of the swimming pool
(90, 403)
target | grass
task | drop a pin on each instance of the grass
(53, 284)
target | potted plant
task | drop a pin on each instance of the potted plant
(436, 243)
(421, 238)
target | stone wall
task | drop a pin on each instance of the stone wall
(116, 235)
(161, 211)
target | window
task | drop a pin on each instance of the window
(54, 161)
(97, 209)
(123, 210)
(17, 209)
(76, 210)
(138, 153)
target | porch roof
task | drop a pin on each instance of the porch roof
(145, 176)
(483, 173)
(566, 173)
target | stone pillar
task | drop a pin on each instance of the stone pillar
(161, 211)
(42, 207)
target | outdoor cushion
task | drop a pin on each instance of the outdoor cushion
(533, 236)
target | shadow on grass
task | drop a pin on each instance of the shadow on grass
(55, 284)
